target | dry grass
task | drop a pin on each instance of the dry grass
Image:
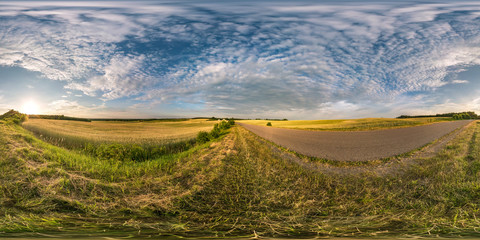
(349, 124)
(122, 132)
(239, 185)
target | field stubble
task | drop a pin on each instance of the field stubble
(238, 185)
(363, 124)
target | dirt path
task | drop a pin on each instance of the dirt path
(355, 146)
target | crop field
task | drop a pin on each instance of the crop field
(121, 131)
(234, 183)
(349, 124)
(121, 140)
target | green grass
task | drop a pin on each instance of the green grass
(44, 187)
(120, 140)
(237, 185)
(272, 194)
(349, 124)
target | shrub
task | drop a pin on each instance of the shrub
(218, 129)
(462, 115)
(13, 116)
(223, 125)
(215, 133)
(136, 153)
(203, 137)
(111, 152)
(269, 124)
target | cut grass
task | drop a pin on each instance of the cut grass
(349, 124)
(238, 185)
(47, 188)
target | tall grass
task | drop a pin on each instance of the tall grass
(47, 188)
(237, 185)
(107, 140)
(266, 190)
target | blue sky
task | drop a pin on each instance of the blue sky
(266, 59)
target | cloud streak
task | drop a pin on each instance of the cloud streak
(249, 59)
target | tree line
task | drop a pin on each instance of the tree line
(454, 115)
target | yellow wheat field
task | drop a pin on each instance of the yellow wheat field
(121, 131)
(349, 124)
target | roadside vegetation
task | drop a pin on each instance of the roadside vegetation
(120, 140)
(14, 117)
(349, 124)
(464, 115)
(457, 116)
(236, 185)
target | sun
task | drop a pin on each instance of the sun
(30, 107)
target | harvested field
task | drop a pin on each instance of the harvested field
(356, 146)
(236, 185)
(361, 124)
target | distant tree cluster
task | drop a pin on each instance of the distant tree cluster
(220, 119)
(272, 119)
(58, 117)
(464, 115)
(457, 116)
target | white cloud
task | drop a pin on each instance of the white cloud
(378, 57)
(458, 81)
(281, 57)
(72, 108)
(121, 77)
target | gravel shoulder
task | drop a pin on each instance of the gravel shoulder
(355, 146)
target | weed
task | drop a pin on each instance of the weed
(235, 185)
(203, 137)
(14, 117)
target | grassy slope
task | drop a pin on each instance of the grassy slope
(235, 187)
(350, 124)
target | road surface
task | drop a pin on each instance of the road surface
(355, 146)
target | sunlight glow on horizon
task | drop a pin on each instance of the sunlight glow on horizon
(255, 59)
(30, 107)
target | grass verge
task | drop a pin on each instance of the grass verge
(237, 185)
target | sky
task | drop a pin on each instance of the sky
(248, 59)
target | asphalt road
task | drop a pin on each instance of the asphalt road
(355, 146)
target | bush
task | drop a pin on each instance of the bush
(137, 153)
(215, 133)
(13, 116)
(269, 124)
(111, 152)
(218, 129)
(203, 137)
(463, 115)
